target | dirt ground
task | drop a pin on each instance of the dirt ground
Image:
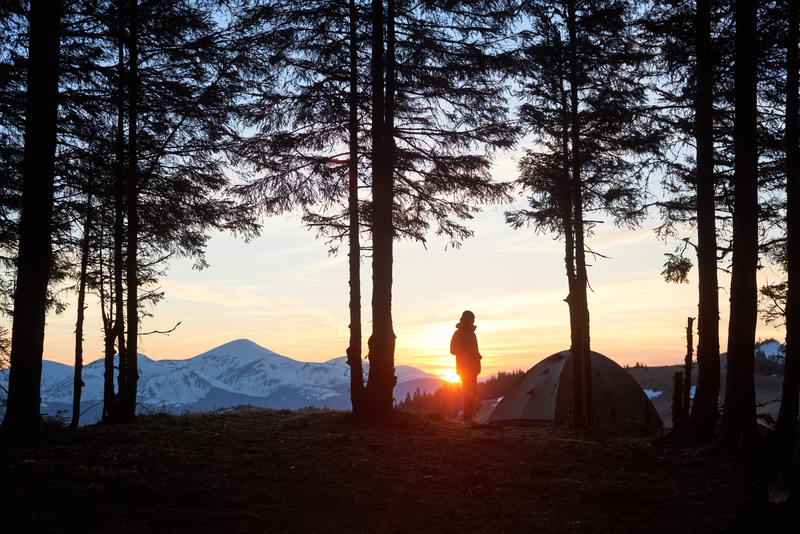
(316, 471)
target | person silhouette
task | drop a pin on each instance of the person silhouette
(464, 345)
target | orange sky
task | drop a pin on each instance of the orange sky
(285, 293)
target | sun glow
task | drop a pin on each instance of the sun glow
(449, 375)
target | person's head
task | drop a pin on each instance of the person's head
(467, 318)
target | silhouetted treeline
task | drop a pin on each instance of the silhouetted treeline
(768, 366)
(448, 399)
(125, 124)
(498, 385)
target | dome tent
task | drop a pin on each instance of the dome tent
(542, 396)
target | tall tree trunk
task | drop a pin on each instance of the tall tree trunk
(786, 429)
(22, 420)
(110, 399)
(566, 207)
(109, 335)
(381, 381)
(582, 280)
(566, 198)
(588, 388)
(576, 301)
(77, 383)
(354, 350)
(740, 400)
(687, 369)
(703, 421)
(128, 397)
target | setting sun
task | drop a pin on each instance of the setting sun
(450, 375)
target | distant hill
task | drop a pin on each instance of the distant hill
(239, 372)
(658, 383)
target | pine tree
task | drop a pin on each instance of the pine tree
(12, 104)
(82, 282)
(181, 81)
(354, 228)
(585, 103)
(688, 66)
(381, 343)
(786, 428)
(21, 422)
(182, 117)
(437, 113)
(704, 410)
(739, 414)
(308, 153)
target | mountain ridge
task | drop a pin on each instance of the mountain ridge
(237, 372)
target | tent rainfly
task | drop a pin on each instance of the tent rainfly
(542, 396)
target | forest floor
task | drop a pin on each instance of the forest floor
(318, 472)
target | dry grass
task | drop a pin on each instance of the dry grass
(305, 472)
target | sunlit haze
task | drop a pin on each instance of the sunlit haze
(449, 375)
(284, 292)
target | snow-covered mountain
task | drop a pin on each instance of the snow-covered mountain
(239, 372)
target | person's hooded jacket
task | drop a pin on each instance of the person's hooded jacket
(464, 345)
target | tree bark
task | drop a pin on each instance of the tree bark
(578, 291)
(786, 429)
(739, 415)
(77, 383)
(703, 420)
(106, 314)
(569, 246)
(109, 396)
(381, 381)
(687, 369)
(354, 349)
(117, 316)
(128, 397)
(588, 389)
(22, 420)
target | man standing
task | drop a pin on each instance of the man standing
(464, 345)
